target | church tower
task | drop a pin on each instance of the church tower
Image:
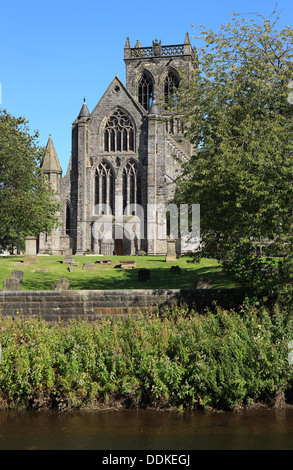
(152, 73)
(152, 76)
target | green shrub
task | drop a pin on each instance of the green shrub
(219, 359)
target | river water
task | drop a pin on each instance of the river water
(261, 429)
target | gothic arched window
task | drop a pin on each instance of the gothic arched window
(171, 83)
(104, 188)
(131, 184)
(145, 91)
(119, 133)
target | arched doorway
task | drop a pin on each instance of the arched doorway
(119, 249)
(122, 241)
(113, 239)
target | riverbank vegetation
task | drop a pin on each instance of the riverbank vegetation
(183, 360)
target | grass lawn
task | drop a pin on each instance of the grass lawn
(109, 277)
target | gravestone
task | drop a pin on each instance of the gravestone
(103, 261)
(30, 245)
(31, 251)
(17, 275)
(11, 284)
(203, 283)
(171, 250)
(175, 270)
(89, 267)
(128, 264)
(62, 284)
(41, 271)
(144, 275)
(68, 258)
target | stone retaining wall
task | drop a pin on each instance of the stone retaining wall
(92, 305)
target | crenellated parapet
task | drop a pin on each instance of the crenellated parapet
(157, 50)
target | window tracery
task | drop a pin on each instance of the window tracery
(119, 133)
(104, 187)
(171, 83)
(145, 91)
(131, 184)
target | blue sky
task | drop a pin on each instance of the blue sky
(53, 54)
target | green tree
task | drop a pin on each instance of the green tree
(26, 203)
(238, 117)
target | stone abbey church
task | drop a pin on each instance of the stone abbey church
(123, 161)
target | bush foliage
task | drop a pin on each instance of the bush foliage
(186, 360)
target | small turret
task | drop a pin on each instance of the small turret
(127, 49)
(187, 40)
(187, 45)
(50, 162)
(84, 112)
(51, 166)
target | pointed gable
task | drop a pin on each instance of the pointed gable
(118, 95)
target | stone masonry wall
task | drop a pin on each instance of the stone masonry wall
(87, 304)
(91, 305)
